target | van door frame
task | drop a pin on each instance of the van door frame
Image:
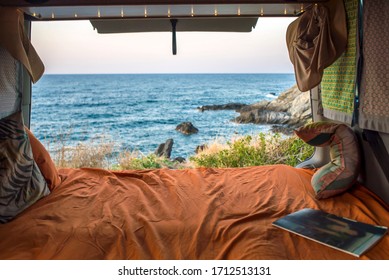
(26, 84)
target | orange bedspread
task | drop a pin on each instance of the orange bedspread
(181, 214)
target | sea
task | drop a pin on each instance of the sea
(137, 112)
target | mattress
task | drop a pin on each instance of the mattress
(188, 214)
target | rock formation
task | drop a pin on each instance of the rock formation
(165, 149)
(228, 106)
(290, 109)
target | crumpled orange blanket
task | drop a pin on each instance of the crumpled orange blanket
(181, 214)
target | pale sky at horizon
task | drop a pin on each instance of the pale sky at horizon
(73, 47)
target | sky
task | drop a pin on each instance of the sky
(73, 47)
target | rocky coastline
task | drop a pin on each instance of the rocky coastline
(288, 111)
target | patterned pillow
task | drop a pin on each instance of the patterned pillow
(341, 172)
(21, 182)
(44, 161)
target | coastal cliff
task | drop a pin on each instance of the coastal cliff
(288, 111)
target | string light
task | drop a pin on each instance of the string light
(37, 15)
(297, 9)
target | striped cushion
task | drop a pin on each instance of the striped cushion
(21, 182)
(341, 172)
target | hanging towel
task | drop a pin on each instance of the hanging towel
(374, 94)
(339, 80)
(315, 40)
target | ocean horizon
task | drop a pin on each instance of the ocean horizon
(140, 111)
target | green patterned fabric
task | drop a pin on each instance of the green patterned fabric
(339, 79)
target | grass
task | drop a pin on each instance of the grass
(243, 151)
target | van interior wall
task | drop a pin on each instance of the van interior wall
(372, 174)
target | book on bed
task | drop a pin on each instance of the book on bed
(340, 233)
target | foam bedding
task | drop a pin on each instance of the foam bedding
(182, 214)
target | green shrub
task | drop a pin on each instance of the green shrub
(263, 149)
(131, 160)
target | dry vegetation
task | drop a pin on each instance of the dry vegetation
(242, 151)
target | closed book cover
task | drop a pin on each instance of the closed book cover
(346, 235)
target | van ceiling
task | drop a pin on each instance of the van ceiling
(116, 9)
(27, 3)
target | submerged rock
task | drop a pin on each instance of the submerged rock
(187, 128)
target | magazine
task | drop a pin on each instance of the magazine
(346, 235)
